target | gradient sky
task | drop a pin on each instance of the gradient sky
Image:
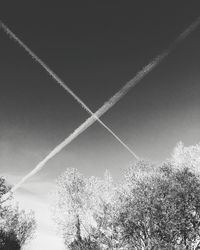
(95, 47)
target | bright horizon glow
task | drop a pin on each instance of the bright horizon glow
(30, 198)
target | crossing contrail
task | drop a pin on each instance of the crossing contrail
(112, 101)
(61, 82)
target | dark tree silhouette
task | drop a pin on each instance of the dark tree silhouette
(9, 241)
(155, 207)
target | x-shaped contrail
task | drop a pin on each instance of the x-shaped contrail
(61, 82)
(112, 101)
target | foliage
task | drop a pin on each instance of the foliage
(83, 198)
(161, 211)
(187, 157)
(8, 240)
(16, 226)
(154, 207)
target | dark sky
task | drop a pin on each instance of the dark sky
(96, 47)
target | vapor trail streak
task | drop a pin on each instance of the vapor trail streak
(61, 83)
(112, 101)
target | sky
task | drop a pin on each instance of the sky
(95, 47)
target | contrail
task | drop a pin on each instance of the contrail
(112, 101)
(61, 82)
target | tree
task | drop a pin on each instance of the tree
(79, 202)
(154, 207)
(187, 157)
(161, 211)
(16, 226)
(3, 189)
